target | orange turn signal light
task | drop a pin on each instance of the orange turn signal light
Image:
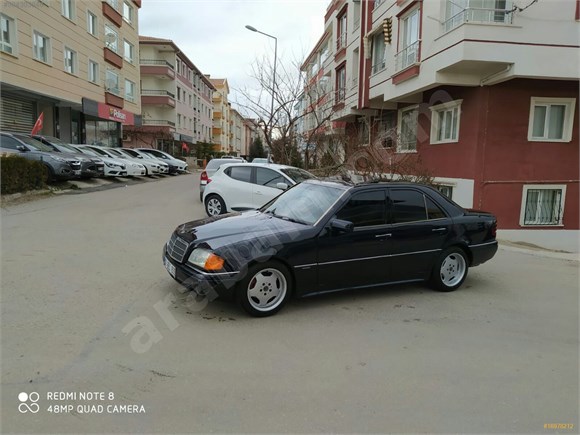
(214, 262)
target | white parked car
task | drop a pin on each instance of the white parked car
(210, 169)
(163, 167)
(113, 167)
(151, 167)
(179, 164)
(248, 186)
(133, 168)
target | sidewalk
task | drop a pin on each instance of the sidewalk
(538, 251)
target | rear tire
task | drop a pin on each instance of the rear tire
(215, 205)
(450, 270)
(265, 289)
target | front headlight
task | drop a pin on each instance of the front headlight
(205, 259)
(111, 165)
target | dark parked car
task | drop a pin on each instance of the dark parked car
(90, 166)
(322, 236)
(59, 166)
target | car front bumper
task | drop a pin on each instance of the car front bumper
(211, 285)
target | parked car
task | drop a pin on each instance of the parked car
(322, 236)
(90, 166)
(238, 187)
(134, 169)
(59, 166)
(163, 167)
(151, 167)
(179, 164)
(113, 167)
(261, 160)
(210, 169)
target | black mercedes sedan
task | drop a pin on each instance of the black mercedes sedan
(320, 237)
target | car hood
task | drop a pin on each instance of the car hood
(235, 227)
(73, 156)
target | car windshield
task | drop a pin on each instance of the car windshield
(297, 174)
(304, 203)
(33, 143)
(54, 140)
(101, 152)
(67, 148)
(216, 163)
(116, 153)
(131, 153)
(88, 152)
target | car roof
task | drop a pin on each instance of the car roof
(258, 165)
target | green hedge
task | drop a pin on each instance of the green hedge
(19, 174)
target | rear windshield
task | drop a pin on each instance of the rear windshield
(216, 163)
(297, 174)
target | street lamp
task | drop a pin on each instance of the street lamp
(253, 29)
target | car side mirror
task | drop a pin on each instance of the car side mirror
(21, 148)
(282, 186)
(341, 226)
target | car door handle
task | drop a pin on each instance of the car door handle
(439, 229)
(383, 236)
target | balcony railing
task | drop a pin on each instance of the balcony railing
(479, 15)
(378, 3)
(341, 41)
(379, 65)
(407, 56)
(157, 93)
(155, 62)
(354, 82)
(340, 94)
(158, 122)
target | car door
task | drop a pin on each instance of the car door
(419, 228)
(237, 188)
(358, 258)
(265, 188)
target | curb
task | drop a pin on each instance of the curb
(539, 251)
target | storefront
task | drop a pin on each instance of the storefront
(103, 124)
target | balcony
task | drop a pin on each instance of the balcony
(407, 57)
(158, 123)
(159, 68)
(112, 14)
(157, 97)
(480, 16)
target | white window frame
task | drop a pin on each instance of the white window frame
(117, 90)
(130, 97)
(68, 9)
(74, 65)
(12, 35)
(450, 106)
(570, 106)
(95, 27)
(48, 45)
(127, 7)
(114, 4)
(527, 187)
(97, 72)
(111, 30)
(400, 125)
(131, 52)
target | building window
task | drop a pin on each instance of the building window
(129, 90)
(445, 190)
(129, 51)
(114, 4)
(92, 24)
(341, 41)
(378, 56)
(551, 119)
(70, 61)
(112, 83)
(178, 120)
(445, 122)
(409, 54)
(408, 129)
(111, 38)
(41, 47)
(68, 9)
(93, 71)
(340, 84)
(542, 204)
(8, 41)
(127, 12)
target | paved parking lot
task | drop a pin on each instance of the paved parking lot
(87, 307)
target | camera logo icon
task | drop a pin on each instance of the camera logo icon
(28, 402)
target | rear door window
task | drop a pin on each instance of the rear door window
(240, 173)
(407, 206)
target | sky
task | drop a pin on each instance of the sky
(213, 36)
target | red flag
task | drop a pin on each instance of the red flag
(38, 124)
(184, 147)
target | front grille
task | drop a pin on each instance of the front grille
(176, 248)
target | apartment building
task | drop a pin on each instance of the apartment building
(238, 137)
(75, 62)
(222, 125)
(176, 99)
(484, 93)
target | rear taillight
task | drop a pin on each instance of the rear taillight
(494, 230)
(203, 176)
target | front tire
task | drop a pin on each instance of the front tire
(450, 270)
(265, 289)
(214, 205)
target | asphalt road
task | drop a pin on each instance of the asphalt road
(87, 307)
